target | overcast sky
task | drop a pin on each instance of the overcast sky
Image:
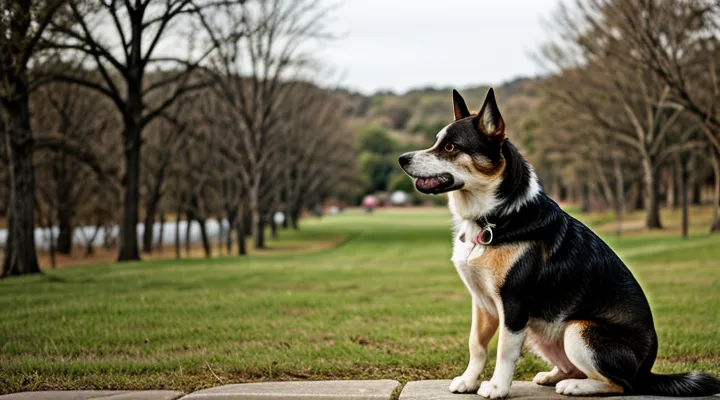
(404, 44)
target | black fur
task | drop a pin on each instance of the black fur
(692, 384)
(465, 136)
(570, 272)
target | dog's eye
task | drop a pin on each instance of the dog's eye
(450, 147)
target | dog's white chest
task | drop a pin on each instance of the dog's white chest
(478, 280)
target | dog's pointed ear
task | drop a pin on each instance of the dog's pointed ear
(461, 110)
(489, 120)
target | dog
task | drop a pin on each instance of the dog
(536, 274)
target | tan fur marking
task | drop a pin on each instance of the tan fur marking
(490, 170)
(485, 326)
(497, 260)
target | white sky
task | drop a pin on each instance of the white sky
(404, 44)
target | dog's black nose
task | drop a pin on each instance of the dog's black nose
(405, 159)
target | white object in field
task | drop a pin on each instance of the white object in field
(279, 217)
(334, 210)
(399, 198)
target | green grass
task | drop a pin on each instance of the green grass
(385, 303)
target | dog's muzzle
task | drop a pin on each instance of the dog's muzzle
(405, 159)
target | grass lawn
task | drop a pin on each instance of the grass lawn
(384, 303)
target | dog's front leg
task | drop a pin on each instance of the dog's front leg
(512, 335)
(484, 325)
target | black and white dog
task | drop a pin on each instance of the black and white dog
(536, 273)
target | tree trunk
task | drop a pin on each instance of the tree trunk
(242, 249)
(66, 204)
(259, 231)
(177, 233)
(295, 221)
(187, 234)
(652, 196)
(232, 222)
(132, 137)
(258, 220)
(151, 210)
(638, 198)
(684, 196)
(273, 227)
(221, 236)
(673, 194)
(697, 193)
(64, 240)
(8, 243)
(149, 223)
(247, 221)
(148, 231)
(90, 248)
(161, 236)
(695, 178)
(585, 193)
(715, 156)
(204, 236)
(21, 255)
(52, 242)
(619, 196)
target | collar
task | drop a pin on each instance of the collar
(489, 225)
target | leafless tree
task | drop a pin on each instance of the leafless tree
(254, 73)
(22, 25)
(122, 40)
(677, 41)
(630, 103)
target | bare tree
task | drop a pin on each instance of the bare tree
(123, 56)
(676, 40)
(317, 148)
(254, 73)
(165, 143)
(22, 24)
(630, 103)
(79, 119)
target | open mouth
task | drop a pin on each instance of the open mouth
(435, 184)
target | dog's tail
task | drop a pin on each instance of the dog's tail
(680, 385)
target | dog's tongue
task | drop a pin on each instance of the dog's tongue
(428, 183)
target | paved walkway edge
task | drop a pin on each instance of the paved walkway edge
(319, 390)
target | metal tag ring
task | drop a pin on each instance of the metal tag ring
(481, 236)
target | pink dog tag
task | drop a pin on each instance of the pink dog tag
(484, 237)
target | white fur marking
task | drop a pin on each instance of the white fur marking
(583, 387)
(509, 349)
(480, 287)
(548, 378)
(440, 135)
(532, 191)
(425, 165)
(577, 352)
(468, 381)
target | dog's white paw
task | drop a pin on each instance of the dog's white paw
(463, 385)
(491, 390)
(544, 378)
(581, 387)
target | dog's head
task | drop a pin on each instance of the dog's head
(466, 155)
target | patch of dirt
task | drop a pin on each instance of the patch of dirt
(101, 255)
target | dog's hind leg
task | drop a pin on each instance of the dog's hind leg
(482, 329)
(555, 376)
(605, 360)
